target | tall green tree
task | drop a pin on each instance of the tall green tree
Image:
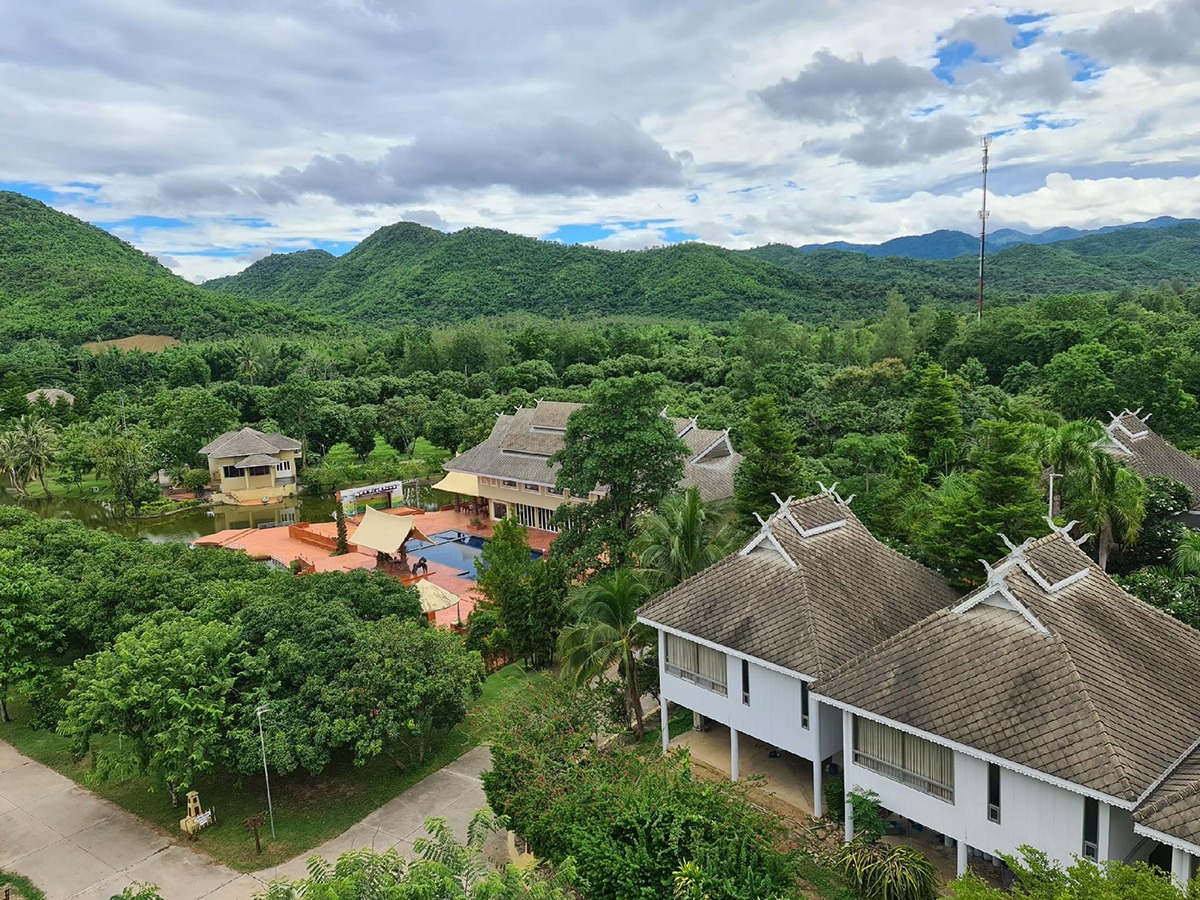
(28, 630)
(528, 597)
(894, 334)
(962, 521)
(685, 536)
(769, 464)
(621, 442)
(126, 457)
(605, 633)
(168, 687)
(34, 444)
(406, 681)
(934, 423)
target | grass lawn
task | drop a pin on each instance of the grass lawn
(308, 810)
(20, 887)
(68, 488)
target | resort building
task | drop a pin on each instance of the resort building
(1131, 441)
(742, 643)
(511, 472)
(252, 466)
(1048, 708)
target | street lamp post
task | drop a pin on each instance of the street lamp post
(1050, 500)
(266, 775)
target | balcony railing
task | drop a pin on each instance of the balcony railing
(697, 679)
(911, 779)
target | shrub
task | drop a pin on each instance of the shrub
(869, 823)
(883, 872)
(834, 791)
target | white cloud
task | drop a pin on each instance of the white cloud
(330, 118)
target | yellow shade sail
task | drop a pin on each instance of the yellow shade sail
(459, 483)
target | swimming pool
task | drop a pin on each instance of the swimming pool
(455, 550)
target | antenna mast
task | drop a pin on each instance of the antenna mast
(983, 217)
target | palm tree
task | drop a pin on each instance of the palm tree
(1187, 553)
(248, 363)
(10, 462)
(36, 441)
(606, 632)
(685, 536)
(1070, 450)
(1110, 502)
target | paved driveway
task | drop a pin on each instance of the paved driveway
(77, 846)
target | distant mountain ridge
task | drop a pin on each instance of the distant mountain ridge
(947, 244)
(410, 273)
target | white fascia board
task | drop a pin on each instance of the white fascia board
(723, 439)
(799, 676)
(1168, 839)
(1003, 591)
(978, 754)
(519, 481)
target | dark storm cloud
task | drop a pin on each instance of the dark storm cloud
(830, 88)
(896, 141)
(1166, 34)
(557, 156)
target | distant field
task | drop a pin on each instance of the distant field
(147, 343)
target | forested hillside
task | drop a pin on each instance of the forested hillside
(406, 272)
(65, 279)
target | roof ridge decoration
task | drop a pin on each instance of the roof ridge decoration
(1117, 423)
(765, 534)
(997, 587)
(831, 491)
(786, 512)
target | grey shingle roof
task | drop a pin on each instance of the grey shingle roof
(1102, 695)
(256, 459)
(1174, 806)
(520, 445)
(248, 441)
(845, 594)
(1144, 451)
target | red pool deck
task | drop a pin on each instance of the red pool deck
(280, 545)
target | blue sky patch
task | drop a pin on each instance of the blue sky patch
(250, 221)
(1085, 68)
(80, 192)
(951, 57)
(1036, 120)
(139, 223)
(598, 231)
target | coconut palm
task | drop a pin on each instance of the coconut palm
(605, 631)
(10, 462)
(685, 536)
(1109, 501)
(35, 443)
(1070, 450)
(248, 363)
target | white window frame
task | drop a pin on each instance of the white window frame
(898, 770)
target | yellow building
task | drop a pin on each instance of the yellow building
(250, 465)
(512, 471)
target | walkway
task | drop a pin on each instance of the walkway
(76, 846)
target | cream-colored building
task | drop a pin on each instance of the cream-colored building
(512, 471)
(250, 465)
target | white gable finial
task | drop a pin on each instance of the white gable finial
(1080, 541)
(762, 523)
(1064, 530)
(663, 412)
(1007, 543)
(1146, 417)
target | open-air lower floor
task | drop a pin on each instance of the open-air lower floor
(731, 754)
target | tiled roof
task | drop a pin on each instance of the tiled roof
(1147, 453)
(1174, 806)
(521, 444)
(248, 441)
(256, 459)
(1095, 686)
(844, 594)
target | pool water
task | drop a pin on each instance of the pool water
(455, 550)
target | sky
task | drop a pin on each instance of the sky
(213, 133)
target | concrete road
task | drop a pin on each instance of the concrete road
(77, 846)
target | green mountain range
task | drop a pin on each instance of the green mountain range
(65, 279)
(407, 272)
(62, 278)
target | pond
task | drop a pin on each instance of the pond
(187, 525)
